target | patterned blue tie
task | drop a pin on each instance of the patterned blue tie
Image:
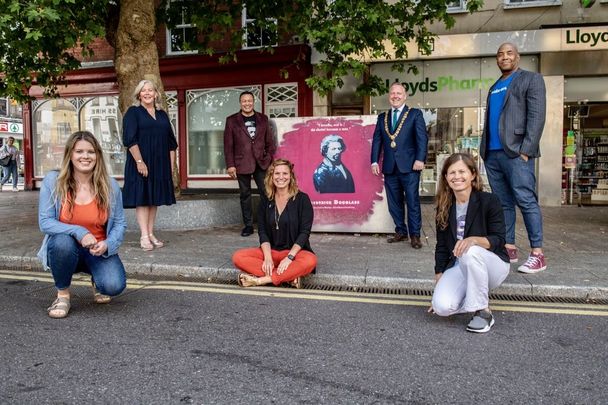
(395, 118)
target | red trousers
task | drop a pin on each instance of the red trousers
(250, 261)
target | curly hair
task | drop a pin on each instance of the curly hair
(445, 197)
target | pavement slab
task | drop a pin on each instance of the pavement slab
(576, 247)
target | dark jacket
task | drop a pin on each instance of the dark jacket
(484, 218)
(299, 214)
(522, 118)
(412, 143)
(241, 151)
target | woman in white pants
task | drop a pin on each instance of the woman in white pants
(470, 256)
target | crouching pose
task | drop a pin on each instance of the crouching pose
(284, 224)
(470, 256)
(80, 212)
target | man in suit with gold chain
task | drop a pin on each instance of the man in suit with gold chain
(401, 136)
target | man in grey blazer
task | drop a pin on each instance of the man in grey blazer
(515, 117)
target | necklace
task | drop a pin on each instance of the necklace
(277, 217)
(394, 135)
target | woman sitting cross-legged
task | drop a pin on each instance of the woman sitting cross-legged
(80, 212)
(284, 226)
(470, 257)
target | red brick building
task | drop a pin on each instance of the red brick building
(200, 92)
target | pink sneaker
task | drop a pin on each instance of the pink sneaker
(534, 264)
(512, 255)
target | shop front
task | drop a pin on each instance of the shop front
(451, 88)
(452, 95)
(200, 94)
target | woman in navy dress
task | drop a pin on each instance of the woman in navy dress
(151, 145)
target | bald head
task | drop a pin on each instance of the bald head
(507, 58)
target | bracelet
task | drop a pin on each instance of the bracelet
(139, 161)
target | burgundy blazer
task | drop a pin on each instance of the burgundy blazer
(243, 152)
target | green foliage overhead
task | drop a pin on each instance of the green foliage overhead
(341, 30)
(35, 36)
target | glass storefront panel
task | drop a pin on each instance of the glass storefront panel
(55, 120)
(101, 116)
(207, 112)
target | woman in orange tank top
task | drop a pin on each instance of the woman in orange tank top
(81, 215)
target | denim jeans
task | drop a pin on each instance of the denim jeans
(514, 182)
(7, 171)
(66, 257)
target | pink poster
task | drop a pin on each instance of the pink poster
(331, 159)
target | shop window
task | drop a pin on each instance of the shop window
(281, 100)
(455, 6)
(52, 125)
(3, 107)
(531, 3)
(102, 118)
(179, 37)
(55, 120)
(256, 36)
(207, 111)
(450, 130)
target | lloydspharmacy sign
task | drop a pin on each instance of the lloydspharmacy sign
(446, 83)
(585, 38)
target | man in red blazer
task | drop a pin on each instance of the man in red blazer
(249, 148)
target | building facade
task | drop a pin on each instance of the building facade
(566, 43)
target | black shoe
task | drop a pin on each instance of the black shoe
(248, 230)
(398, 237)
(416, 243)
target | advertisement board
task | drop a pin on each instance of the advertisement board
(331, 157)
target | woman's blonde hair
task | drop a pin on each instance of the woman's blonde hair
(269, 185)
(67, 187)
(140, 85)
(445, 197)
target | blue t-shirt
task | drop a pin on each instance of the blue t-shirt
(497, 99)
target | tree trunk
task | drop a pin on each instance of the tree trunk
(136, 56)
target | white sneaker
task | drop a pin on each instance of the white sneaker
(15, 189)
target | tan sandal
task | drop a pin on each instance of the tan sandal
(296, 283)
(155, 241)
(145, 244)
(98, 297)
(246, 280)
(59, 308)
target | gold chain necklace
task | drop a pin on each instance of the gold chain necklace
(394, 135)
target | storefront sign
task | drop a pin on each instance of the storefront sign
(445, 83)
(355, 201)
(11, 127)
(585, 38)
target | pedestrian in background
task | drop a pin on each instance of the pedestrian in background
(514, 123)
(151, 144)
(249, 148)
(401, 136)
(80, 213)
(470, 256)
(12, 168)
(284, 225)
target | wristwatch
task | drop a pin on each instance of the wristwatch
(139, 161)
(291, 257)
